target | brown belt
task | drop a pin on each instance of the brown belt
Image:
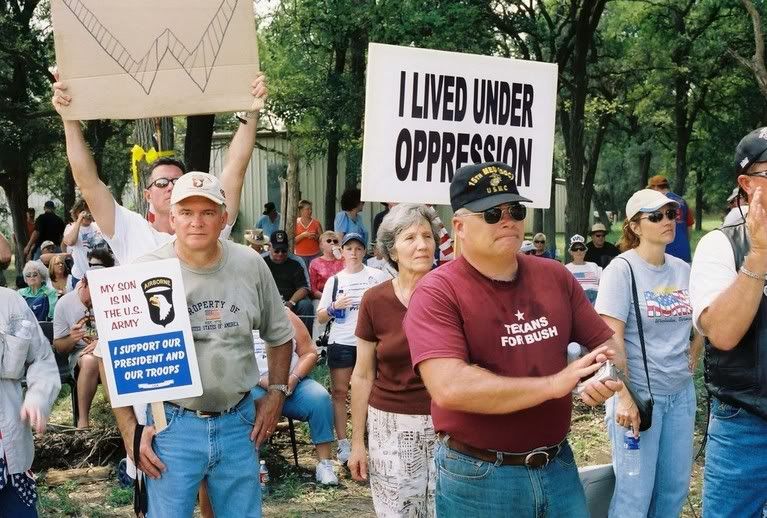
(207, 414)
(537, 458)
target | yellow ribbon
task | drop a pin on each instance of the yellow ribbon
(138, 154)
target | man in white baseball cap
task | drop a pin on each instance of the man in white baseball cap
(230, 293)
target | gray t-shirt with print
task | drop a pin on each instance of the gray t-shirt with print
(664, 302)
(226, 303)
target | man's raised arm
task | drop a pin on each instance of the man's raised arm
(99, 198)
(240, 151)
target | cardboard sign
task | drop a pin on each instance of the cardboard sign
(143, 58)
(144, 332)
(429, 112)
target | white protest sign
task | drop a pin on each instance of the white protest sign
(144, 332)
(429, 112)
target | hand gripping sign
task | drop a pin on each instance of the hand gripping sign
(144, 333)
(429, 112)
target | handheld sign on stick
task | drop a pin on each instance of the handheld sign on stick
(145, 335)
(429, 112)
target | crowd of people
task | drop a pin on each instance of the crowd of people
(457, 366)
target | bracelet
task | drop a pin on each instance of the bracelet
(748, 273)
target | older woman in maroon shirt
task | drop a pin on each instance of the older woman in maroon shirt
(385, 391)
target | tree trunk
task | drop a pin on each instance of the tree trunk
(645, 158)
(550, 220)
(289, 215)
(334, 143)
(17, 194)
(699, 178)
(197, 142)
(537, 220)
(69, 193)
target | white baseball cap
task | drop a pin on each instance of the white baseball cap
(647, 200)
(196, 183)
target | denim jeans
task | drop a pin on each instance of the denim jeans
(218, 449)
(470, 487)
(309, 402)
(665, 459)
(735, 478)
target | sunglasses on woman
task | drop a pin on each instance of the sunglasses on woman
(333, 241)
(578, 249)
(493, 215)
(657, 216)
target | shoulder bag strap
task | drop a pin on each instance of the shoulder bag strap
(332, 299)
(639, 326)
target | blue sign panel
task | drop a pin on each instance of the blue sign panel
(150, 362)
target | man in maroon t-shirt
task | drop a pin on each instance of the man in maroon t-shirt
(488, 334)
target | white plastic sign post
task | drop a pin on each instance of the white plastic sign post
(429, 112)
(144, 333)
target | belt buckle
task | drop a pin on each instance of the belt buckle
(203, 415)
(530, 459)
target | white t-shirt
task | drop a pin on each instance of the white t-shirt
(87, 238)
(586, 274)
(378, 264)
(713, 270)
(134, 236)
(353, 285)
(259, 348)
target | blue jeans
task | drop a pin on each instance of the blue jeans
(665, 458)
(466, 485)
(309, 402)
(218, 449)
(735, 478)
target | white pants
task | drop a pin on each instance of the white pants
(401, 460)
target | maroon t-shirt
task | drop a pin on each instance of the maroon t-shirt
(517, 329)
(397, 388)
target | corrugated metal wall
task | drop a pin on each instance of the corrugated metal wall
(312, 182)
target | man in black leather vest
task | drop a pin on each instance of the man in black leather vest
(729, 299)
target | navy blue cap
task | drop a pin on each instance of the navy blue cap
(479, 187)
(353, 236)
(752, 148)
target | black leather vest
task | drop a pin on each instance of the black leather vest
(739, 376)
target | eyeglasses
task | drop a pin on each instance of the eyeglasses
(276, 251)
(162, 183)
(493, 215)
(539, 242)
(94, 266)
(760, 174)
(599, 235)
(578, 249)
(30, 275)
(334, 241)
(657, 216)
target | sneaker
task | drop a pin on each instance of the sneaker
(324, 473)
(344, 451)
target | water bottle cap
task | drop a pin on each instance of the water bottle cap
(630, 442)
(263, 462)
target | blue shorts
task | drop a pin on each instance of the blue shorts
(341, 356)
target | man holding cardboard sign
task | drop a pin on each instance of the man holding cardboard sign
(211, 436)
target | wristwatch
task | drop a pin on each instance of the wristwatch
(282, 388)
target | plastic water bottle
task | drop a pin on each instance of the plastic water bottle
(263, 477)
(340, 313)
(631, 455)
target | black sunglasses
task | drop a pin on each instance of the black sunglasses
(95, 265)
(578, 249)
(279, 251)
(494, 214)
(162, 183)
(539, 241)
(334, 241)
(657, 215)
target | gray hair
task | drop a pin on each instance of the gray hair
(401, 217)
(36, 266)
